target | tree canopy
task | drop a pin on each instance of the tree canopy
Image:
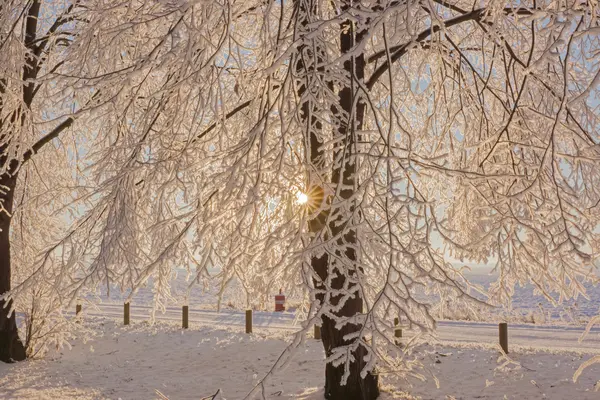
(425, 135)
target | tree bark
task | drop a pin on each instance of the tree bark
(11, 347)
(356, 387)
(344, 174)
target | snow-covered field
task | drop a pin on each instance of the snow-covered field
(161, 361)
(528, 336)
(526, 305)
(145, 361)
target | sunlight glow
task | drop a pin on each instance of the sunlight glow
(301, 198)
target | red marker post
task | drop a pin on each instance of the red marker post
(280, 301)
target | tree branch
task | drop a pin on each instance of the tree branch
(227, 116)
(399, 51)
(47, 139)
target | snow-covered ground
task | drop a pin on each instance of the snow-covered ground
(161, 361)
(553, 337)
(526, 305)
(145, 362)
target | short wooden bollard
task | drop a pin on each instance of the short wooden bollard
(397, 331)
(503, 331)
(248, 321)
(185, 321)
(126, 314)
(317, 332)
(77, 313)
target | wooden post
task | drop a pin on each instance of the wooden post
(397, 331)
(185, 322)
(77, 313)
(503, 331)
(248, 321)
(317, 332)
(126, 314)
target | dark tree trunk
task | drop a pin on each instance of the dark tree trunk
(344, 174)
(356, 387)
(11, 347)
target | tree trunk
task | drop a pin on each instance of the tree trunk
(11, 347)
(356, 387)
(344, 176)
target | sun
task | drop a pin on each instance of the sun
(301, 198)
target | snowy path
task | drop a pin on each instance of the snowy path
(202, 317)
(557, 338)
(534, 336)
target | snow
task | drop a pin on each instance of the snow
(527, 336)
(229, 318)
(526, 305)
(553, 337)
(145, 361)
